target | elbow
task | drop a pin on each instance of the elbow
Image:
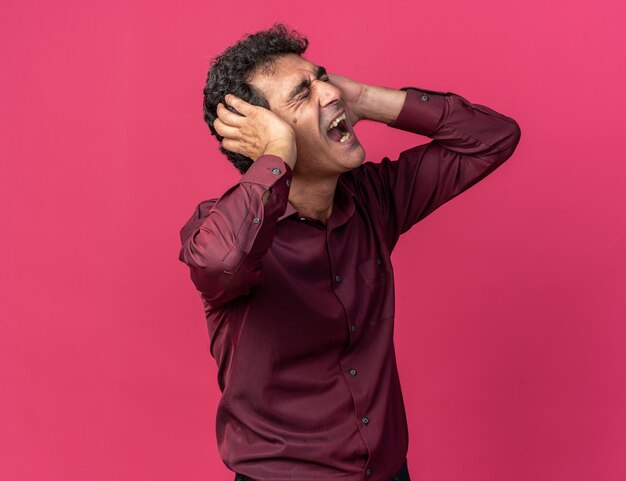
(516, 135)
(204, 251)
(508, 142)
(218, 272)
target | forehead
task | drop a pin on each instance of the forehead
(276, 81)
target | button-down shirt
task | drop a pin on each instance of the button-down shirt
(301, 314)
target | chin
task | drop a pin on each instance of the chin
(358, 157)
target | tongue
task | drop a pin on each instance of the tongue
(335, 134)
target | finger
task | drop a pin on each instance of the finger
(228, 117)
(352, 118)
(334, 77)
(232, 145)
(226, 130)
(239, 104)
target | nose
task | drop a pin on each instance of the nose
(327, 93)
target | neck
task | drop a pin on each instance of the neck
(313, 197)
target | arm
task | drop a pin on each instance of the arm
(225, 239)
(469, 142)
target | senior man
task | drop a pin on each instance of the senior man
(292, 263)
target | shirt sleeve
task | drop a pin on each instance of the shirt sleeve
(469, 142)
(225, 239)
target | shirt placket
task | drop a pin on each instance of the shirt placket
(348, 365)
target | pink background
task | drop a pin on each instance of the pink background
(510, 327)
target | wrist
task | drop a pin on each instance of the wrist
(380, 104)
(286, 150)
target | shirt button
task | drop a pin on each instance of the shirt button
(288, 182)
(364, 420)
(378, 260)
(368, 471)
(302, 218)
(256, 220)
(352, 372)
(424, 98)
(353, 327)
(275, 171)
(338, 278)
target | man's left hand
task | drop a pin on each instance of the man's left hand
(352, 94)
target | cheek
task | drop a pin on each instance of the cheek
(307, 132)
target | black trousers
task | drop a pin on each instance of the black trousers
(402, 475)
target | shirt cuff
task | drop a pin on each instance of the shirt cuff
(266, 170)
(421, 112)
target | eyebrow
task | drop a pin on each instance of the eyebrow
(305, 84)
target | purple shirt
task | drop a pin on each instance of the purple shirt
(301, 314)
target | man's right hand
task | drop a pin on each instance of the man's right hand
(258, 131)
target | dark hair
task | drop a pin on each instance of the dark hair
(231, 70)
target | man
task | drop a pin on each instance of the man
(293, 262)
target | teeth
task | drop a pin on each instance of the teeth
(336, 121)
(345, 137)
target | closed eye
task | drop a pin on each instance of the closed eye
(306, 94)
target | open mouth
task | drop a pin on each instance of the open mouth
(338, 129)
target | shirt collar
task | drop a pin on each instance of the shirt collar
(344, 200)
